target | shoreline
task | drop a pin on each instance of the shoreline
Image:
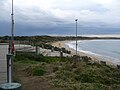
(95, 58)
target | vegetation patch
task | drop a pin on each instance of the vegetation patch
(35, 71)
(66, 73)
(49, 46)
(38, 72)
(24, 56)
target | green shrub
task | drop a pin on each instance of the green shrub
(38, 72)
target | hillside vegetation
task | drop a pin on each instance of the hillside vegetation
(34, 40)
(36, 72)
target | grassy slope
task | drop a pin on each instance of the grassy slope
(55, 73)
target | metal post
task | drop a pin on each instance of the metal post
(37, 50)
(24, 45)
(9, 85)
(12, 29)
(76, 35)
(19, 44)
(9, 67)
(11, 50)
(61, 53)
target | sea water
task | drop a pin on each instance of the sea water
(109, 49)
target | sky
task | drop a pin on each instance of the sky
(57, 17)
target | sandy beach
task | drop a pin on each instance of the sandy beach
(95, 58)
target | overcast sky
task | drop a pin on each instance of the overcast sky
(58, 16)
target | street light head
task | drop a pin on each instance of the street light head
(76, 19)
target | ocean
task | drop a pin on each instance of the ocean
(108, 49)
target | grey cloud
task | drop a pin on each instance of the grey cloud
(61, 13)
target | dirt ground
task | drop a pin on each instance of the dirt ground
(33, 82)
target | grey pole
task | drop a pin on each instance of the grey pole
(9, 85)
(9, 68)
(76, 35)
(12, 28)
(19, 44)
(11, 52)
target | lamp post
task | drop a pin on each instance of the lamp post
(12, 30)
(10, 85)
(76, 35)
(11, 43)
(11, 50)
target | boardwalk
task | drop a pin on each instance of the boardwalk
(3, 67)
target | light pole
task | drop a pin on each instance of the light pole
(11, 43)
(10, 85)
(12, 30)
(76, 35)
(11, 50)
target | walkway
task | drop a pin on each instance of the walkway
(3, 65)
